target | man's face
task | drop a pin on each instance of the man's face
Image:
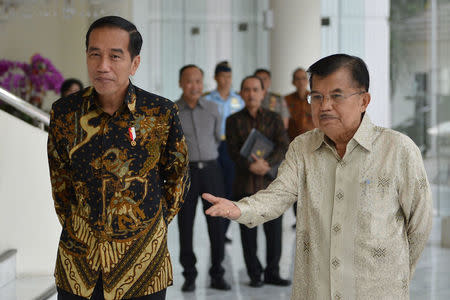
(266, 80)
(223, 80)
(252, 93)
(191, 82)
(300, 80)
(339, 121)
(108, 60)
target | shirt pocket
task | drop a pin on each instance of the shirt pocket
(378, 204)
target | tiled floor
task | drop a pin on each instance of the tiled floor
(27, 288)
(432, 277)
(234, 265)
(431, 280)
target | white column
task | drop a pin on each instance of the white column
(146, 15)
(295, 39)
(219, 42)
(376, 57)
(434, 77)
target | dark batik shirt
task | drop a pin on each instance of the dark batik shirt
(115, 197)
(238, 128)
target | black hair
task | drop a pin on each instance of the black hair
(295, 71)
(332, 63)
(65, 86)
(135, 43)
(252, 76)
(222, 66)
(187, 67)
(262, 71)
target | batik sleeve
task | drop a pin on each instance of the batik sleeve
(174, 168)
(61, 180)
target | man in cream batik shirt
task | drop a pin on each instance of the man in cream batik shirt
(364, 202)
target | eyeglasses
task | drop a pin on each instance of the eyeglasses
(336, 98)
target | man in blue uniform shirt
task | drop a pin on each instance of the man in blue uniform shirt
(228, 103)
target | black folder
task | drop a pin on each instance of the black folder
(259, 145)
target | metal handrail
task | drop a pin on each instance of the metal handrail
(25, 107)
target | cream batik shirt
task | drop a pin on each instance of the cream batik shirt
(362, 221)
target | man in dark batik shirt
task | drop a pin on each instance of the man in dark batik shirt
(253, 176)
(118, 167)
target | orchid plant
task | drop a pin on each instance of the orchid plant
(30, 81)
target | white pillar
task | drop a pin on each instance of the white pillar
(376, 56)
(295, 40)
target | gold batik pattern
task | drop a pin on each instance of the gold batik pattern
(115, 194)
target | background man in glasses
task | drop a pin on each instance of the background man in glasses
(364, 200)
(300, 120)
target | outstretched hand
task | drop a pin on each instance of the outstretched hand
(221, 207)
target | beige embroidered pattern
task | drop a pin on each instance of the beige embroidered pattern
(362, 221)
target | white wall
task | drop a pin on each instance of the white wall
(376, 56)
(41, 27)
(361, 28)
(169, 41)
(28, 220)
(294, 41)
(55, 37)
